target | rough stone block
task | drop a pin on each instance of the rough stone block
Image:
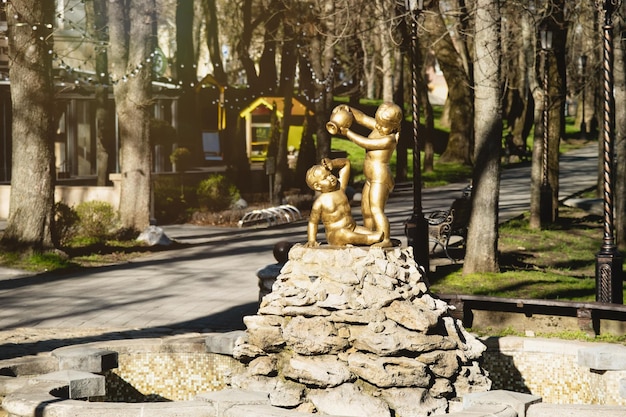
(86, 359)
(622, 387)
(516, 401)
(76, 384)
(223, 343)
(348, 399)
(28, 365)
(606, 357)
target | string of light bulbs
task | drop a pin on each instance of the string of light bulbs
(77, 76)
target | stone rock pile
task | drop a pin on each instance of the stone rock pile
(355, 332)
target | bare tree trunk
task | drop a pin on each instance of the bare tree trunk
(427, 135)
(287, 83)
(429, 132)
(588, 38)
(265, 80)
(188, 130)
(385, 51)
(536, 166)
(268, 73)
(30, 219)
(321, 55)
(459, 91)
(244, 42)
(132, 40)
(213, 42)
(355, 51)
(529, 42)
(557, 93)
(515, 54)
(404, 139)
(307, 156)
(369, 70)
(96, 14)
(463, 28)
(482, 239)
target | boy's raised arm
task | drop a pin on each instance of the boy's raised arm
(362, 118)
(343, 165)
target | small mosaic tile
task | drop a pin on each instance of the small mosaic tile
(553, 375)
(167, 376)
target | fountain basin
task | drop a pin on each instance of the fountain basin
(549, 369)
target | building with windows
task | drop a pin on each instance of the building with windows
(218, 109)
(74, 75)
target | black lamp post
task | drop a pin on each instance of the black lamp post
(416, 228)
(583, 72)
(609, 285)
(545, 209)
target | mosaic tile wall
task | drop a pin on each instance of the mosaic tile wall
(153, 376)
(549, 369)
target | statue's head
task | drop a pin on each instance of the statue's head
(320, 178)
(389, 115)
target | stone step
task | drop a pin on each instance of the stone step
(86, 359)
(518, 402)
(574, 410)
(75, 384)
(485, 411)
(605, 357)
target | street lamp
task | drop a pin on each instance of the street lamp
(416, 228)
(545, 210)
(583, 65)
(609, 272)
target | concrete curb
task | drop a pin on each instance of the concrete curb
(558, 410)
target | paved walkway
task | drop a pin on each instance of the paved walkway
(207, 285)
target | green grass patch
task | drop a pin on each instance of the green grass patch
(557, 263)
(36, 262)
(562, 335)
(518, 284)
(445, 173)
(81, 252)
(49, 261)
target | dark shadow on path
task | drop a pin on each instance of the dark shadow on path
(224, 321)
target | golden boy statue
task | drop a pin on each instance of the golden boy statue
(379, 145)
(333, 208)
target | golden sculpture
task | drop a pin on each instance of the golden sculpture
(379, 145)
(333, 208)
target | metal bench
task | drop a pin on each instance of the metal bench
(443, 224)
